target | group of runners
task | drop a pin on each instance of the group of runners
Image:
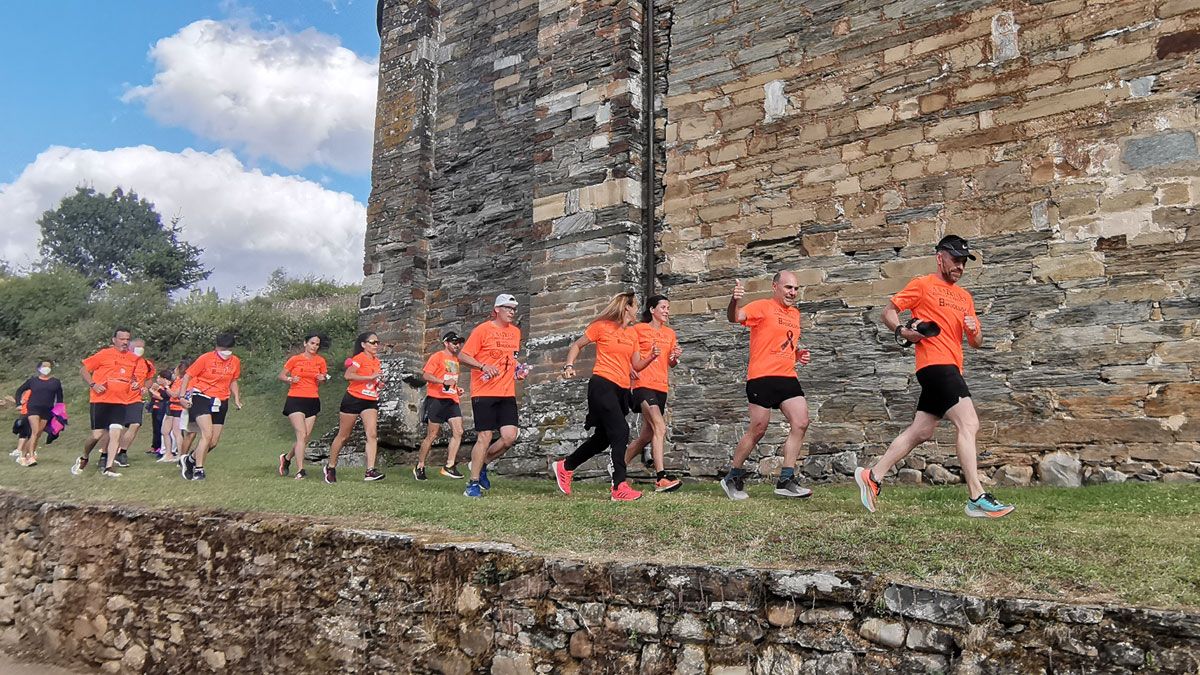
(631, 372)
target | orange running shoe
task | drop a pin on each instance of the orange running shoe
(562, 476)
(667, 484)
(624, 493)
(868, 489)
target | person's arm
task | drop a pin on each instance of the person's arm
(640, 362)
(58, 392)
(286, 376)
(87, 379)
(21, 390)
(352, 375)
(237, 394)
(490, 371)
(573, 353)
(675, 353)
(974, 330)
(891, 319)
(734, 313)
(431, 378)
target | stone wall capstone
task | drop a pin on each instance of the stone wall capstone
(131, 590)
(836, 138)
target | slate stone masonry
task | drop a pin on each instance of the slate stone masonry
(836, 138)
(137, 591)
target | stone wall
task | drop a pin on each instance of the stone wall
(836, 138)
(134, 591)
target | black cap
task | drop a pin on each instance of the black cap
(451, 336)
(955, 246)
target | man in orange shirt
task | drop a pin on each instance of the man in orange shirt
(441, 406)
(143, 376)
(108, 374)
(491, 351)
(208, 384)
(771, 381)
(937, 300)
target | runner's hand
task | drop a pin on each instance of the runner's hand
(186, 403)
(490, 371)
(803, 357)
(568, 372)
(676, 353)
(738, 290)
(99, 388)
(971, 324)
(237, 402)
(654, 351)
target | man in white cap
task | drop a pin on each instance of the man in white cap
(491, 352)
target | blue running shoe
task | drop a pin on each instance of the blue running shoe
(473, 490)
(986, 506)
(187, 467)
(483, 479)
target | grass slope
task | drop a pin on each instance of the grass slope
(1135, 543)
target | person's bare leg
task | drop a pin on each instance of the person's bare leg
(309, 423)
(114, 446)
(645, 434)
(299, 429)
(479, 453)
(345, 427)
(921, 430)
(760, 417)
(370, 418)
(966, 421)
(795, 411)
(658, 435)
(205, 426)
(431, 432)
(36, 426)
(508, 436)
(456, 434)
(90, 443)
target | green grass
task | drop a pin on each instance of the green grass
(1137, 544)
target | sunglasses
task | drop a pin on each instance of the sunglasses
(372, 342)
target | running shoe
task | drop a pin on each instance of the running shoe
(790, 488)
(562, 476)
(122, 460)
(986, 506)
(450, 471)
(667, 484)
(32, 461)
(301, 475)
(198, 474)
(109, 473)
(331, 474)
(103, 461)
(187, 467)
(419, 473)
(167, 459)
(79, 465)
(624, 493)
(14, 454)
(473, 490)
(735, 488)
(483, 479)
(374, 474)
(21, 461)
(285, 464)
(868, 488)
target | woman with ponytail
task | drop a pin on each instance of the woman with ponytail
(652, 384)
(363, 371)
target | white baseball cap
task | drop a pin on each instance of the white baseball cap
(505, 300)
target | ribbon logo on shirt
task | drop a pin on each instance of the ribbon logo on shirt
(787, 344)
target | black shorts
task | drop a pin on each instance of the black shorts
(439, 410)
(650, 396)
(105, 415)
(772, 391)
(942, 387)
(203, 406)
(310, 406)
(42, 413)
(174, 413)
(353, 405)
(133, 413)
(493, 412)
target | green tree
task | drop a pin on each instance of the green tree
(118, 237)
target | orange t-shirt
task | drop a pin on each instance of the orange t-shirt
(494, 346)
(931, 298)
(655, 376)
(439, 365)
(212, 376)
(113, 369)
(25, 401)
(363, 363)
(774, 334)
(143, 372)
(174, 404)
(310, 370)
(615, 345)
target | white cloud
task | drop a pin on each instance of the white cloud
(249, 223)
(299, 99)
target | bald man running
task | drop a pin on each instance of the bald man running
(771, 382)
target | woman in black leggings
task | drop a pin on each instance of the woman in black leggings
(608, 393)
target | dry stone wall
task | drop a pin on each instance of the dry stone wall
(836, 138)
(134, 591)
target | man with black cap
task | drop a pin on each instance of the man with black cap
(942, 314)
(442, 395)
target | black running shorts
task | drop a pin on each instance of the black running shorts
(309, 405)
(208, 406)
(353, 405)
(133, 413)
(651, 397)
(105, 415)
(439, 410)
(493, 412)
(772, 391)
(942, 386)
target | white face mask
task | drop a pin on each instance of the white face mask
(138, 351)
(224, 353)
(44, 370)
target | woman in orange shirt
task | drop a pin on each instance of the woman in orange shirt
(304, 372)
(363, 370)
(651, 387)
(172, 430)
(608, 392)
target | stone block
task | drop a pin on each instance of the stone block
(1060, 469)
(1111, 59)
(1161, 149)
(886, 633)
(1011, 474)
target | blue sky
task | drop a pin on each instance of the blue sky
(264, 106)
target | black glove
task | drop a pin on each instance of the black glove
(926, 328)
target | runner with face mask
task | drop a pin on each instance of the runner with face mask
(37, 398)
(139, 384)
(209, 384)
